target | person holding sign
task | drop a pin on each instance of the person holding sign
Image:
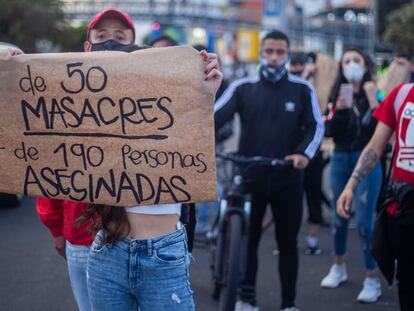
(280, 118)
(351, 126)
(139, 258)
(109, 30)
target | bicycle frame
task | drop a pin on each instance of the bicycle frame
(232, 227)
(242, 208)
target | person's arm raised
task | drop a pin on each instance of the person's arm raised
(212, 70)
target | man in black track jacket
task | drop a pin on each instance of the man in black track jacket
(280, 118)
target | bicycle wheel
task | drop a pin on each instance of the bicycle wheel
(231, 260)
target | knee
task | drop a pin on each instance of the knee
(365, 233)
(339, 223)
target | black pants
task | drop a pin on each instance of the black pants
(401, 239)
(287, 214)
(313, 189)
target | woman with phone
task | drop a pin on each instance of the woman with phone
(353, 98)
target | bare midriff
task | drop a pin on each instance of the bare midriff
(144, 226)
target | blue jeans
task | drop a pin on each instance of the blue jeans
(204, 209)
(77, 258)
(365, 200)
(151, 275)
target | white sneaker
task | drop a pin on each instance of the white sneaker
(371, 291)
(337, 275)
(291, 309)
(244, 306)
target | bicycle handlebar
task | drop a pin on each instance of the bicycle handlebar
(255, 160)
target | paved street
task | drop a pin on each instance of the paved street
(33, 277)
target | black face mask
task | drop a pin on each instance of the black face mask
(296, 73)
(109, 45)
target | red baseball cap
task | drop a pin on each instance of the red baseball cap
(113, 14)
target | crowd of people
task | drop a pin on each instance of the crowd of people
(138, 257)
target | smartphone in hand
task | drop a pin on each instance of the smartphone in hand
(346, 91)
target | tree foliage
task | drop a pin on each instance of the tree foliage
(71, 38)
(399, 30)
(26, 22)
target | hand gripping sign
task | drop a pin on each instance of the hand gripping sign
(108, 127)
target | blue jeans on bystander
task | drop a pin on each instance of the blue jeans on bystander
(365, 200)
(77, 258)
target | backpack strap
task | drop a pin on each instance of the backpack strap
(401, 97)
(189, 220)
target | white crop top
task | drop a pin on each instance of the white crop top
(160, 209)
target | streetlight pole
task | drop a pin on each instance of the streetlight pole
(373, 26)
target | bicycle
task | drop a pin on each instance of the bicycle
(229, 234)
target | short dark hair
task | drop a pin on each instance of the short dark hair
(276, 35)
(298, 58)
(171, 41)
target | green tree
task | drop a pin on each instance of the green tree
(71, 38)
(399, 30)
(26, 22)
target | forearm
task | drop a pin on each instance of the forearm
(372, 98)
(373, 102)
(370, 155)
(367, 161)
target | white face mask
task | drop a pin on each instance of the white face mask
(354, 72)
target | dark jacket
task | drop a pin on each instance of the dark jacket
(351, 129)
(277, 119)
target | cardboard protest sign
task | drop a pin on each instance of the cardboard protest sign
(324, 78)
(396, 74)
(108, 127)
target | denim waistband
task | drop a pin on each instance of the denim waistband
(148, 245)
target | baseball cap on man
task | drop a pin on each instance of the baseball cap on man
(113, 14)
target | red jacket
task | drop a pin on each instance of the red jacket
(59, 216)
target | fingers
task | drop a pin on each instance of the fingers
(294, 159)
(299, 162)
(303, 162)
(15, 52)
(340, 210)
(212, 69)
(343, 206)
(296, 163)
(214, 64)
(214, 74)
(61, 252)
(340, 104)
(207, 57)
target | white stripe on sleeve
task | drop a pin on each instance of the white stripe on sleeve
(227, 95)
(316, 110)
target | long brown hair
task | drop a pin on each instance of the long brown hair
(368, 75)
(112, 219)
